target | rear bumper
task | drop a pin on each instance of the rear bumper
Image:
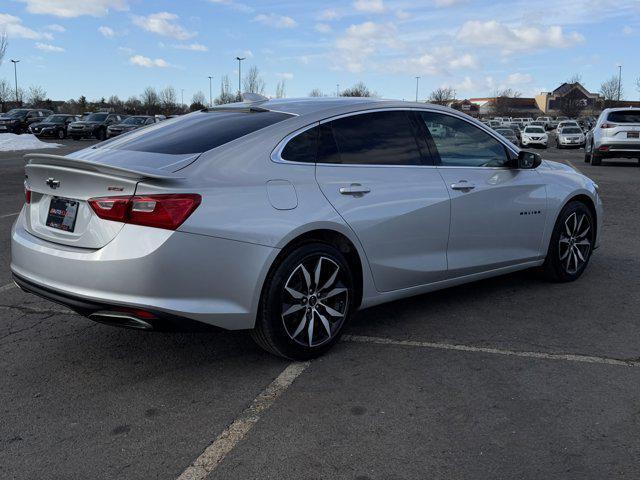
(172, 274)
(622, 149)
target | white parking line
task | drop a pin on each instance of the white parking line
(7, 215)
(495, 351)
(4, 288)
(234, 433)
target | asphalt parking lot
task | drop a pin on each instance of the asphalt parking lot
(506, 378)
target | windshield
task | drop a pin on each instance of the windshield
(571, 130)
(96, 117)
(16, 112)
(54, 119)
(505, 132)
(534, 130)
(134, 121)
(197, 132)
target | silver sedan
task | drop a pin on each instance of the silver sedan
(286, 216)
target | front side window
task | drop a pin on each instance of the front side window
(461, 144)
(376, 138)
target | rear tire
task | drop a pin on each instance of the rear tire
(302, 313)
(571, 243)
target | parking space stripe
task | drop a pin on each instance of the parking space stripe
(234, 433)
(7, 215)
(494, 351)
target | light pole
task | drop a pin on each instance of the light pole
(210, 92)
(182, 97)
(240, 73)
(417, 83)
(15, 74)
(619, 80)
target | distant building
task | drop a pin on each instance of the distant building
(506, 106)
(465, 106)
(566, 95)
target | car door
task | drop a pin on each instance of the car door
(498, 212)
(375, 171)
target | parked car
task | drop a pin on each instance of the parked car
(568, 123)
(569, 136)
(546, 121)
(131, 123)
(509, 134)
(516, 127)
(615, 134)
(534, 135)
(18, 120)
(285, 217)
(94, 125)
(53, 126)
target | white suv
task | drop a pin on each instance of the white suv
(616, 134)
(534, 135)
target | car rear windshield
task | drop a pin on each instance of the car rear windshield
(198, 132)
(625, 116)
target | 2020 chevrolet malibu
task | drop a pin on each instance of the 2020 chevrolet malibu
(286, 216)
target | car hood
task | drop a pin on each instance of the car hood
(551, 165)
(45, 124)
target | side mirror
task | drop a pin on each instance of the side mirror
(528, 160)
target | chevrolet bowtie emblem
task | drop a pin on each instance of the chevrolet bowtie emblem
(53, 183)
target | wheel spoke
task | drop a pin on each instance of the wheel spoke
(293, 309)
(310, 330)
(568, 257)
(295, 294)
(331, 311)
(307, 277)
(578, 253)
(303, 322)
(568, 229)
(331, 280)
(584, 233)
(317, 273)
(583, 242)
(579, 224)
(564, 255)
(333, 293)
(325, 323)
(564, 240)
(575, 261)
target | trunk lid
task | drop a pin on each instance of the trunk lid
(60, 184)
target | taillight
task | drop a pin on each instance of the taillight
(608, 125)
(27, 195)
(159, 211)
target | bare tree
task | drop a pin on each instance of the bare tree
(358, 90)
(115, 103)
(253, 82)
(36, 96)
(82, 104)
(150, 101)
(133, 105)
(6, 93)
(198, 101)
(572, 103)
(280, 89)
(610, 91)
(4, 43)
(575, 78)
(316, 92)
(226, 94)
(442, 95)
(168, 100)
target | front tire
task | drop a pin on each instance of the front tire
(61, 134)
(571, 243)
(306, 301)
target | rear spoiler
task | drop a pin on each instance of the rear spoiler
(134, 172)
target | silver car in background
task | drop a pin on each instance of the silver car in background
(569, 136)
(285, 216)
(615, 134)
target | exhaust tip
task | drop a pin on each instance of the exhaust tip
(120, 319)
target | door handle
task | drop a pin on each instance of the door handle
(354, 189)
(463, 185)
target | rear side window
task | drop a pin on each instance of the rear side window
(625, 116)
(302, 147)
(377, 138)
(198, 132)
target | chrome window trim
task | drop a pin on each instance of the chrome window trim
(277, 151)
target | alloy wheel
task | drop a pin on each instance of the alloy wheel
(574, 245)
(315, 301)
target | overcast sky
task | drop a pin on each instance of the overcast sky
(103, 47)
